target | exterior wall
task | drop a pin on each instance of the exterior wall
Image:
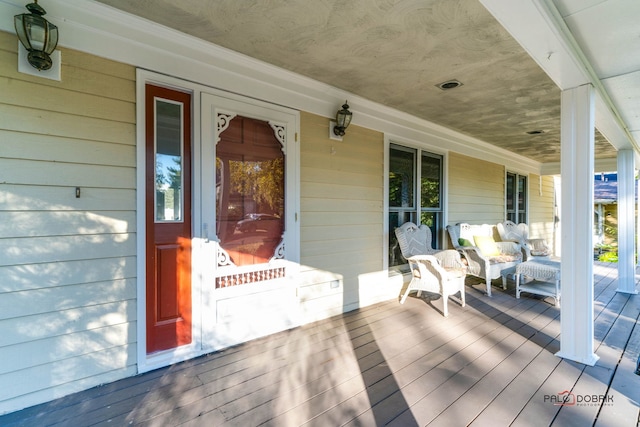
(476, 196)
(476, 190)
(542, 208)
(341, 217)
(68, 270)
(68, 267)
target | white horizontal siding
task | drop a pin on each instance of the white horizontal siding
(17, 330)
(62, 223)
(341, 218)
(67, 264)
(61, 377)
(56, 299)
(29, 172)
(18, 197)
(30, 354)
(38, 147)
(476, 191)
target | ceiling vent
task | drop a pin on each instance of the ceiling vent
(449, 84)
(535, 132)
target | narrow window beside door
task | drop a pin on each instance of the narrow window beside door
(168, 218)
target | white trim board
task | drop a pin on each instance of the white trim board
(101, 30)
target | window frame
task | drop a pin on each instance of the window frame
(516, 214)
(416, 210)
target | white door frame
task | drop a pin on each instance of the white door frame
(214, 335)
(200, 246)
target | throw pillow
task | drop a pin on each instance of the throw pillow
(487, 245)
(464, 242)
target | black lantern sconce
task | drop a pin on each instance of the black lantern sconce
(37, 35)
(343, 119)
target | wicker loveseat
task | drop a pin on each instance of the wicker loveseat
(511, 232)
(486, 258)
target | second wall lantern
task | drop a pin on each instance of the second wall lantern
(343, 119)
(37, 35)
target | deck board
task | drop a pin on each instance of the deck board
(490, 363)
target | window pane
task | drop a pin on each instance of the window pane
(522, 193)
(431, 178)
(249, 191)
(396, 219)
(168, 161)
(510, 192)
(401, 178)
(522, 217)
(432, 220)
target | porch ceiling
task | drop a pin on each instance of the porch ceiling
(396, 52)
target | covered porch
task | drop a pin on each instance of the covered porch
(534, 96)
(491, 363)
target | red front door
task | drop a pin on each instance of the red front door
(168, 217)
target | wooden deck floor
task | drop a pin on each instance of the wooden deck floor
(489, 364)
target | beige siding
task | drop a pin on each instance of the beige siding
(341, 215)
(68, 276)
(542, 207)
(476, 190)
(476, 195)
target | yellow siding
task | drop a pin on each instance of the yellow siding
(341, 213)
(476, 190)
(68, 265)
(68, 268)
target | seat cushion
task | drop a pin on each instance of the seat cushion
(487, 245)
(499, 259)
(456, 272)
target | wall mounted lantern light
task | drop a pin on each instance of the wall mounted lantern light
(343, 119)
(37, 35)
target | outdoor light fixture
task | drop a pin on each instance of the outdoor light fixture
(343, 119)
(37, 35)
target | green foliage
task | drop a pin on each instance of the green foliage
(262, 181)
(609, 257)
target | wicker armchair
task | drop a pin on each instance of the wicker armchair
(435, 271)
(487, 265)
(511, 232)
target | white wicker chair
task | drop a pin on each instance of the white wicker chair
(441, 272)
(512, 232)
(480, 265)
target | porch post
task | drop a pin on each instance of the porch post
(626, 222)
(577, 171)
(638, 224)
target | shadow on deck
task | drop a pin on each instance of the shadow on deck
(490, 363)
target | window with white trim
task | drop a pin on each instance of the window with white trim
(516, 197)
(415, 194)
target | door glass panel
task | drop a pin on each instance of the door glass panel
(168, 161)
(249, 191)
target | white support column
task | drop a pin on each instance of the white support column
(577, 171)
(626, 222)
(637, 187)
